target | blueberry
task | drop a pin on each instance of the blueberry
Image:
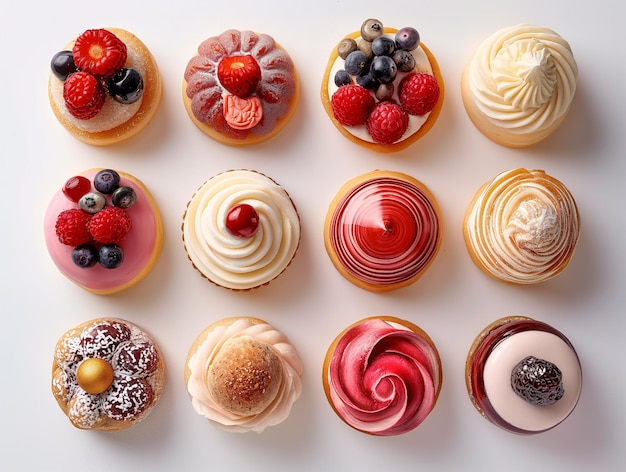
(383, 46)
(342, 78)
(404, 60)
(106, 181)
(407, 38)
(126, 86)
(124, 197)
(85, 255)
(371, 29)
(384, 92)
(345, 47)
(367, 81)
(356, 62)
(62, 64)
(384, 69)
(110, 256)
(92, 202)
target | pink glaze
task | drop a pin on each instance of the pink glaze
(385, 231)
(141, 247)
(383, 380)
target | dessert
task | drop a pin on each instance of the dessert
(241, 87)
(382, 87)
(523, 375)
(382, 376)
(107, 374)
(522, 227)
(103, 230)
(383, 230)
(519, 84)
(104, 86)
(243, 375)
(241, 229)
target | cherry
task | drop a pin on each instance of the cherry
(76, 187)
(242, 221)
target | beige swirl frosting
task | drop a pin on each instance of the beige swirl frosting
(201, 379)
(231, 261)
(523, 78)
(522, 227)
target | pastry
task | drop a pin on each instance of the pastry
(382, 87)
(382, 376)
(103, 230)
(243, 375)
(519, 84)
(523, 375)
(104, 86)
(241, 229)
(383, 230)
(241, 87)
(522, 227)
(107, 374)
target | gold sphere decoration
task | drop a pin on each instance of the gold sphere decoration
(94, 375)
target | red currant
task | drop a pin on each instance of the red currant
(76, 187)
(242, 221)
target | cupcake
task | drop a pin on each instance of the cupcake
(382, 87)
(523, 375)
(382, 376)
(104, 86)
(522, 227)
(103, 230)
(241, 87)
(383, 230)
(519, 84)
(243, 375)
(241, 229)
(107, 374)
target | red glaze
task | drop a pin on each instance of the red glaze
(76, 187)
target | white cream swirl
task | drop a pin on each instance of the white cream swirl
(522, 227)
(231, 261)
(199, 365)
(523, 78)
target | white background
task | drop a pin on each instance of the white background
(311, 302)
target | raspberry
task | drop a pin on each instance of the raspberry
(84, 95)
(240, 75)
(419, 93)
(99, 52)
(387, 122)
(110, 225)
(351, 105)
(72, 227)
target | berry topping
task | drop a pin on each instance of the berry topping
(76, 187)
(351, 105)
(407, 38)
(106, 181)
(84, 95)
(242, 221)
(387, 122)
(92, 202)
(85, 255)
(371, 29)
(384, 69)
(342, 78)
(126, 85)
(110, 256)
(356, 62)
(110, 225)
(345, 47)
(72, 227)
(383, 46)
(239, 74)
(405, 61)
(62, 64)
(124, 197)
(537, 381)
(419, 93)
(99, 52)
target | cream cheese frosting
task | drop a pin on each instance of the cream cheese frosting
(523, 78)
(231, 261)
(199, 366)
(522, 227)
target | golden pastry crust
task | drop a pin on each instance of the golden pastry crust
(384, 148)
(149, 105)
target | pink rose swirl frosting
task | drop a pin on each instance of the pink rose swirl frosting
(384, 378)
(385, 231)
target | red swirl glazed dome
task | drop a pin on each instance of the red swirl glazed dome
(383, 230)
